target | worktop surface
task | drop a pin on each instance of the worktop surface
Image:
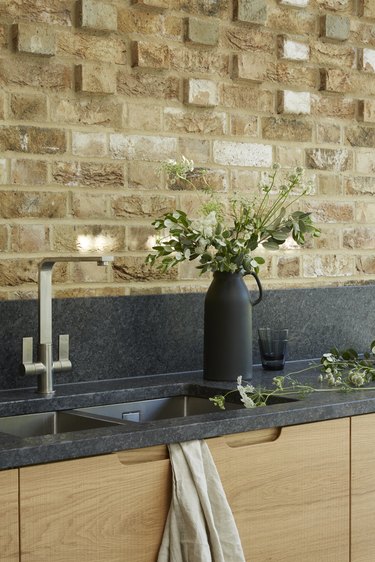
(17, 451)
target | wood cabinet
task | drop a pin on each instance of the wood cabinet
(363, 488)
(289, 491)
(9, 516)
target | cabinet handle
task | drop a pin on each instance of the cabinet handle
(248, 439)
(139, 456)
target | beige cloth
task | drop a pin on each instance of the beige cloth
(200, 526)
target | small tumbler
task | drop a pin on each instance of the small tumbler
(272, 345)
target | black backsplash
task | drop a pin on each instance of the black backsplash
(115, 337)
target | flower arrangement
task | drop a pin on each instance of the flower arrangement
(226, 242)
(343, 371)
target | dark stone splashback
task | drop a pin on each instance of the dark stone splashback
(144, 335)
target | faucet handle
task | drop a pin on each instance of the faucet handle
(63, 363)
(28, 367)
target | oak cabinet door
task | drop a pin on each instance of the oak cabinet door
(363, 488)
(9, 516)
(289, 491)
(109, 508)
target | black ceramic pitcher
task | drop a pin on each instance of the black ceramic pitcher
(228, 340)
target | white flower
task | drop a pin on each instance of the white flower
(206, 225)
(188, 164)
(245, 399)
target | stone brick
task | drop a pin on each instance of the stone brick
(203, 122)
(247, 98)
(294, 102)
(333, 106)
(217, 8)
(366, 59)
(368, 9)
(30, 238)
(157, 4)
(89, 174)
(280, 128)
(144, 118)
(328, 133)
(360, 136)
(204, 61)
(254, 11)
(140, 238)
(329, 159)
(140, 21)
(362, 185)
(288, 266)
(359, 238)
(28, 172)
(328, 212)
(16, 272)
(202, 93)
(53, 12)
(144, 175)
(148, 85)
(55, 77)
(18, 204)
(249, 66)
(138, 147)
(294, 75)
(138, 206)
(243, 125)
(3, 171)
(89, 144)
(362, 32)
(365, 162)
(335, 5)
(330, 185)
(90, 206)
(328, 266)
(195, 149)
(32, 140)
(335, 27)
(329, 54)
(242, 154)
(107, 48)
(216, 180)
(259, 40)
(366, 111)
(295, 3)
(150, 55)
(88, 238)
(2, 105)
(365, 213)
(292, 50)
(296, 22)
(329, 239)
(96, 111)
(202, 32)
(28, 107)
(4, 238)
(95, 78)
(36, 39)
(247, 181)
(131, 268)
(337, 80)
(88, 273)
(365, 264)
(97, 15)
(290, 157)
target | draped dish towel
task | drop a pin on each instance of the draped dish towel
(200, 526)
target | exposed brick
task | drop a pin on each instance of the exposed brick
(216, 180)
(329, 238)
(365, 212)
(205, 61)
(30, 238)
(242, 154)
(329, 212)
(201, 31)
(3, 171)
(53, 12)
(144, 175)
(140, 21)
(28, 107)
(292, 50)
(359, 238)
(202, 93)
(367, 111)
(330, 54)
(144, 118)
(247, 98)
(328, 266)
(295, 75)
(15, 272)
(88, 273)
(18, 204)
(4, 238)
(362, 32)
(368, 9)
(158, 4)
(294, 102)
(89, 174)
(247, 181)
(333, 106)
(280, 128)
(337, 80)
(335, 27)
(97, 111)
(195, 149)
(365, 162)
(89, 144)
(328, 133)
(150, 55)
(205, 122)
(2, 105)
(108, 48)
(36, 39)
(288, 266)
(335, 5)
(250, 10)
(139, 206)
(328, 159)
(93, 237)
(137, 147)
(98, 15)
(244, 125)
(295, 3)
(297, 22)
(366, 59)
(89, 206)
(95, 78)
(249, 66)
(360, 136)
(57, 77)
(32, 140)
(330, 185)
(361, 185)
(140, 238)
(218, 8)
(290, 157)
(132, 268)
(148, 85)
(259, 40)
(365, 264)
(28, 172)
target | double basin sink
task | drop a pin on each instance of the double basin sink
(111, 415)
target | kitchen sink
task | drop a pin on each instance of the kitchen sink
(162, 408)
(50, 423)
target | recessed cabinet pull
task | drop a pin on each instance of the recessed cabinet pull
(248, 439)
(139, 456)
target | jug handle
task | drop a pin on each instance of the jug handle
(259, 287)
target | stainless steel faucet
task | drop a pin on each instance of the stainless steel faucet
(45, 366)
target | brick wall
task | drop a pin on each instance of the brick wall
(95, 94)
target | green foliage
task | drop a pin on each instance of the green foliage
(228, 245)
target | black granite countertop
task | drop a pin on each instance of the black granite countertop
(17, 451)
